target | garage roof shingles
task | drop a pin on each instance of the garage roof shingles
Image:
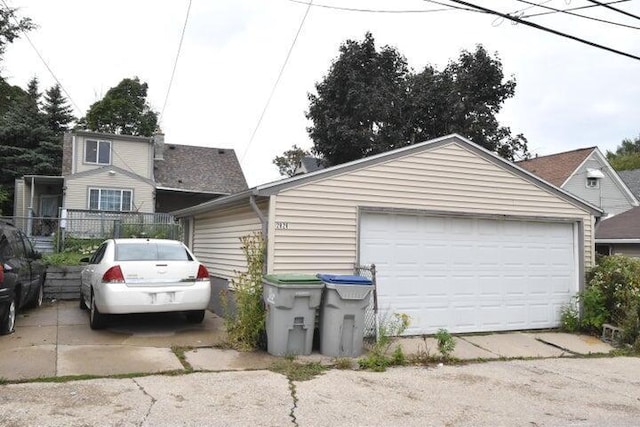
(556, 168)
(622, 226)
(200, 169)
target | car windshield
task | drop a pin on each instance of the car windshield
(151, 252)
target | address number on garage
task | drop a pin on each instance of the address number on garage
(281, 225)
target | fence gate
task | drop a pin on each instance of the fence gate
(371, 315)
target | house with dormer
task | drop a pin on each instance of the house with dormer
(587, 174)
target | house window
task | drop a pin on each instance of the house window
(97, 152)
(593, 183)
(101, 199)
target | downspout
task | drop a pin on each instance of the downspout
(265, 223)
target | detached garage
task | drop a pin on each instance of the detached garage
(461, 238)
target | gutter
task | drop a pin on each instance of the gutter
(263, 220)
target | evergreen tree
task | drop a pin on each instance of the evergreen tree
(57, 111)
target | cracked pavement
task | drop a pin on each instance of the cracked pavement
(558, 391)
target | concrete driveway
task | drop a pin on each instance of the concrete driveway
(555, 392)
(56, 341)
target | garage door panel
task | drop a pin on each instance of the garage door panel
(470, 275)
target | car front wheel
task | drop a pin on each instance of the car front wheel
(97, 320)
(8, 321)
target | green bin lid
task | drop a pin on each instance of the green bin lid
(292, 279)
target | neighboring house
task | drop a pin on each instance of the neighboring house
(123, 173)
(587, 174)
(620, 235)
(308, 164)
(461, 238)
(632, 179)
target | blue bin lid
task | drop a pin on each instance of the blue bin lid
(338, 279)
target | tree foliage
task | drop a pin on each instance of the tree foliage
(123, 110)
(371, 102)
(29, 143)
(626, 156)
(288, 162)
(58, 113)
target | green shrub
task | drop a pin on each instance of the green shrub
(446, 343)
(247, 324)
(612, 296)
(570, 318)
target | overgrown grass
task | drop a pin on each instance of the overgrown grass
(296, 371)
(180, 351)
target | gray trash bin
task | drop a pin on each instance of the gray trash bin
(291, 302)
(342, 314)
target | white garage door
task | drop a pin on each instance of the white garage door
(470, 274)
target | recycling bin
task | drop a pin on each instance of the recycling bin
(291, 302)
(342, 314)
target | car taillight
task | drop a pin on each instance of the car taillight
(1, 274)
(113, 275)
(203, 274)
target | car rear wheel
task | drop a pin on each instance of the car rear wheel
(38, 298)
(8, 321)
(97, 320)
(195, 316)
(83, 304)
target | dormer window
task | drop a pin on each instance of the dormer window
(593, 178)
(97, 152)
(593, 183)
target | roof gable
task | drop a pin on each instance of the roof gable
(199, 169)
(300, 180)
(557, 168)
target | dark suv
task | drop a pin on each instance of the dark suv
(22, 275)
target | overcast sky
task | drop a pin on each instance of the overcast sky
(568, 95)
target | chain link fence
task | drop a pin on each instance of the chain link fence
(370, 318)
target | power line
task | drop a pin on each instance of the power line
(549, 30)
(351, 9)
(175, 63)
(607, 6)
(275, 85)
(570, 9)
(581, 16)
(33, 46)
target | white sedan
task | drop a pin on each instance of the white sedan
(143, 276)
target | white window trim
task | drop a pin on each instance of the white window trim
(100, 189)
(590, 180)
(97, 162)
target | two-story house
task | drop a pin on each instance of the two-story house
(123, 173)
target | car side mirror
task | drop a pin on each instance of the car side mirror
(84, 260)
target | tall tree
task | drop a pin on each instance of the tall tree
(288, 162)
(371, 102)
(57, 110)
(123, 110)
(626, 156)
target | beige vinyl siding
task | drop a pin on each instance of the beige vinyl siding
(216, 238)
(132, 156)
(322, 217)
(77, 192)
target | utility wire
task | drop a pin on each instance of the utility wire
(175, 63)
(350, 9)
(549, 30)
(532, 15)
(607, 6)
(580, 15)
(275, 85)
(33, 46)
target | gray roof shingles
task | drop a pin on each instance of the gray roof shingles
(200, 169)
(632, 179)
(622, 226)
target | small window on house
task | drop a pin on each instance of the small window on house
(603, 250)
(593, 182)
(102, 199)
(97, 152)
